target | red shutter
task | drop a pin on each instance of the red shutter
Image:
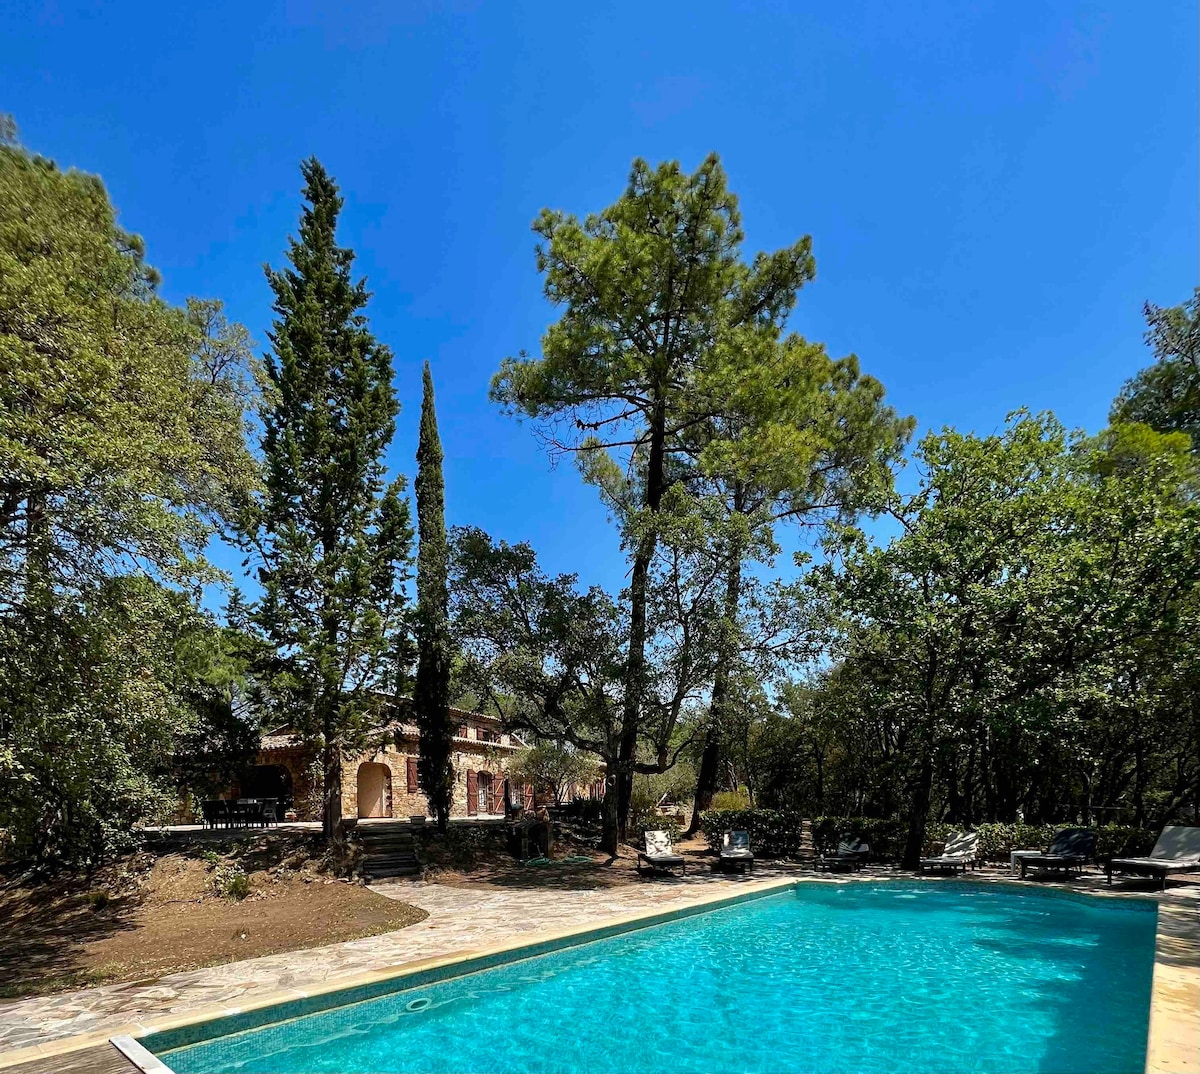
(472, 794)
(503, 797)
(412, 775)
(528, 795)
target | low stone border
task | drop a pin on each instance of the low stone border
(1173, 1044)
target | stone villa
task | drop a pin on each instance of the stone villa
(382, 781)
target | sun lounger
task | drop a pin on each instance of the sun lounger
(850, 854)
(736, 852)
(660, 855)
(961, 850)
(1177, 851)
(1071, 848)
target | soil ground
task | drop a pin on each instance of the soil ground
(149, 915)
(574, 865)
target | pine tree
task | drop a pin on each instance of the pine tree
(431, 693)
(334, 538)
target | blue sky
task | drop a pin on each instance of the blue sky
(993, 189)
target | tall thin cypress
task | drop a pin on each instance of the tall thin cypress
(333, 537)
(431, 693)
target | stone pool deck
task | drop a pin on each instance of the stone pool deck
(464, 919)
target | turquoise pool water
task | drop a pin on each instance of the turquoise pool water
(859, 978)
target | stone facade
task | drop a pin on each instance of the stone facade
(382, 782)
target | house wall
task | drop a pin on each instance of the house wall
(406, 803)
(479, 746)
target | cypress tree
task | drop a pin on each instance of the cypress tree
(334, 539)
(431, 693)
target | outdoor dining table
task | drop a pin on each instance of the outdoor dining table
(240, 813)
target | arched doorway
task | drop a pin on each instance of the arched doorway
(374, 790)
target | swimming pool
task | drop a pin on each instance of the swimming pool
(859, 978)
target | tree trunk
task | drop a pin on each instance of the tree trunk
(610, 831)
(710, 760)
(706, 778)
(919, 812)
(331, 774)
(635, 661)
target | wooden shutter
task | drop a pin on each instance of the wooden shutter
(412, 775)
(472, 794)
(528, 795)
(503, 797)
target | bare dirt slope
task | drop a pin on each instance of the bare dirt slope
(150, 915)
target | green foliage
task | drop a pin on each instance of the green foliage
(1038, 577)
(534, 649)
(730, 801)
(663, 324)
(552, 768)
(121, 453)
(330, 536)
(229, 880)
(997, 841)
(885, 836)
(776, 833)
(644, 817)
(431, 692)
(1166, 395)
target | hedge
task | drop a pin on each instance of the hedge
(776, 833)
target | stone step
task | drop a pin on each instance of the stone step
(384, 847)
(392, 871)
(380, 829)
(389, 849)
(391, 865)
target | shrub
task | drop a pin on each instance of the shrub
(885, 835)
(776, 833)
(997, 840)
(644, 817)
(229, 880)
(584, 810)
(729, 801)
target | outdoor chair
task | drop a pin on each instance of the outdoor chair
(1177, 851)
(961, 850)
(736, 852)
(212, 813)
(1071, 848)
(850, 854)
(250, 812)
(659, 855)
(219, 811)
